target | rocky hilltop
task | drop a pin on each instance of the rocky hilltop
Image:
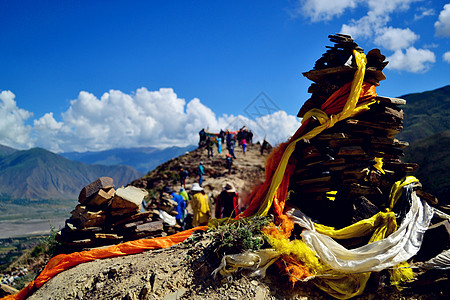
(246, 171)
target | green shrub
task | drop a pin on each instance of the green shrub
(239, 236)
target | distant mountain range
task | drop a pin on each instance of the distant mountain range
(427, 129)
(433, 156)
(38, 174)
(426, 114)
(142, 159)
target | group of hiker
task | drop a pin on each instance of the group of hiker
(208, 140)
(226, 204)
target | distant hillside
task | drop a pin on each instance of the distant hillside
(247, 171)
(426, 114)
(142, 159)
(5, 150)
(40, 174)
(427, 129)
(433, 156)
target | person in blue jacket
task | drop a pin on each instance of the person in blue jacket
(201, 172)
(219, 144)
(181, 204)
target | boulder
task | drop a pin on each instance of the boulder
(128, 197)
(94, 187)
(101, 198)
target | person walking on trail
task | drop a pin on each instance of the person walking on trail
(264, 146)
(200, 206)
(184, 194)
(201, 172)
(231, 148)
(227, 204)
(229, 137)
(219, 144)
(209, 146)
(228, 163)
(183, 175)
(244, 144)
(181, 204)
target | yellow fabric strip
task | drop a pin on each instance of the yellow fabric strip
(350, 109)
(379, 164)
(396, 190)
(359, 229)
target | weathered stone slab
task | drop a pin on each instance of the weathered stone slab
(101, 198)
(92, 188)
(134, 218)
(93, 219)
(351, 150)
(124, 212)
(108, 236)
(389, 100)
(128, 197)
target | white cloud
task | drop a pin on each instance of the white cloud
(381, 7)
(323, 10)
(376, 19)
(374, 27)
(13, 131)
(442, 26)
(446, 56)
(396, 38)
(424, 12)
(277, 127)
(145, 118)
(412, 60)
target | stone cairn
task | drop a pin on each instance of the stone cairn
(105, 216)
(336, 181)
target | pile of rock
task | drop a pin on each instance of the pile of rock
(345, 173)
(105, 216)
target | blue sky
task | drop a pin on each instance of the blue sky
(94, 75)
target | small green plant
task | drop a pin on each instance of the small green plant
(50, 243)
(37, 251)
(241, 235)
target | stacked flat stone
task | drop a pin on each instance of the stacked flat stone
(336, 180)
(105, 216)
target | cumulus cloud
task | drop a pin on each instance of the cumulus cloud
(412, 60)
(323, 10)
(146, 118)
(424, 12)
(446, 56)
(396, 38)
(13, 130)
(380, 7)
(442, 25)
(277, 127)
(374, 26)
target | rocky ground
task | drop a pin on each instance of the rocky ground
(247, 171)
(184, 272)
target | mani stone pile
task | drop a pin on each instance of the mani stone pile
(336, 181)
(105, 216)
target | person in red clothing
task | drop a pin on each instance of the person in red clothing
(227, 204)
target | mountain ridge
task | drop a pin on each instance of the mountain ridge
(426, 114)
(38, 174)
(143, 159)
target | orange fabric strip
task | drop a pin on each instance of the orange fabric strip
(63, 262)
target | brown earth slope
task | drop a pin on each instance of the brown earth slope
(247, 171)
